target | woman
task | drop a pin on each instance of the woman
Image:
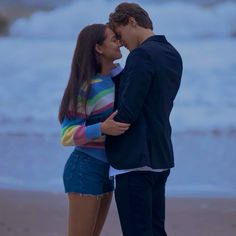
(86, 115)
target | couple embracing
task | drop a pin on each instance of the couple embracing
(118, 121)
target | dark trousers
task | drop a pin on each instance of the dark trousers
(140, 199)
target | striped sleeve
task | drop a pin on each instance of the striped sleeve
(76, 133)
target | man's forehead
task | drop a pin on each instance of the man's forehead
(118, 31)
(118, 28)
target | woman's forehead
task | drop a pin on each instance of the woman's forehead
(109, 33)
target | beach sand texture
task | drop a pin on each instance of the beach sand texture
(45, 214)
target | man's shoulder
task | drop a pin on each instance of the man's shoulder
(138, 54)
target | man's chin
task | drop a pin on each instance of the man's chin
(130, 49)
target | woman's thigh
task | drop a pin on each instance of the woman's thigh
(83, 212)
(102, 214)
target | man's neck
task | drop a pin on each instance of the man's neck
(145, 34)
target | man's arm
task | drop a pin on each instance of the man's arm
(137, 79)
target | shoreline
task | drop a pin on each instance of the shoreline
(26, 213)
(47, 163)
(171, 194)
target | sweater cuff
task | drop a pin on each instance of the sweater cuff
(117, 70)
(93, 131)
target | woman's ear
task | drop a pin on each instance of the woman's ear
(98, 49)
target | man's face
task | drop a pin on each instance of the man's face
(127, 35)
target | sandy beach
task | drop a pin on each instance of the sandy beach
(45, 214)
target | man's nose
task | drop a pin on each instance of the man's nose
(119, 43)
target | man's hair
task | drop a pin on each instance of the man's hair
(126, 10)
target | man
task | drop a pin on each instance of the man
(144, 99)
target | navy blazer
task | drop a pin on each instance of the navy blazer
(144, 98)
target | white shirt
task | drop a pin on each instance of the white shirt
(113, 171)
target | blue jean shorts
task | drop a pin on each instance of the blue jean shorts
(87, 175)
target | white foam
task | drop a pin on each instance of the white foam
(34, 74)
(178, 20)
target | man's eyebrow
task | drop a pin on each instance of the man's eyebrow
(117, 35)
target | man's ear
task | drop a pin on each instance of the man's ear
(98, 49)
(132, 21)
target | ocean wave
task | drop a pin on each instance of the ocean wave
(177, 19)
(34, 74)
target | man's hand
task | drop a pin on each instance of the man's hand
(114, 128)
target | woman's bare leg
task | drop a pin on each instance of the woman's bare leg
(83, 212)
(102, 213)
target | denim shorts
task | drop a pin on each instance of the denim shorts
(87, 175)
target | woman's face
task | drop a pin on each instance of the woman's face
(110, 48)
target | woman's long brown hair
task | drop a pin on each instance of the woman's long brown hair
(85, 65)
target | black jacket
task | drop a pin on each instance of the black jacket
(144, 98)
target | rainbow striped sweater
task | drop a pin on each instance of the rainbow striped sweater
(83, 130)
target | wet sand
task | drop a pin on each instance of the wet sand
(45, 214)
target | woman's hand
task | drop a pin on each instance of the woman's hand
(114, 128)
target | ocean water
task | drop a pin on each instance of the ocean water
(34, 68)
